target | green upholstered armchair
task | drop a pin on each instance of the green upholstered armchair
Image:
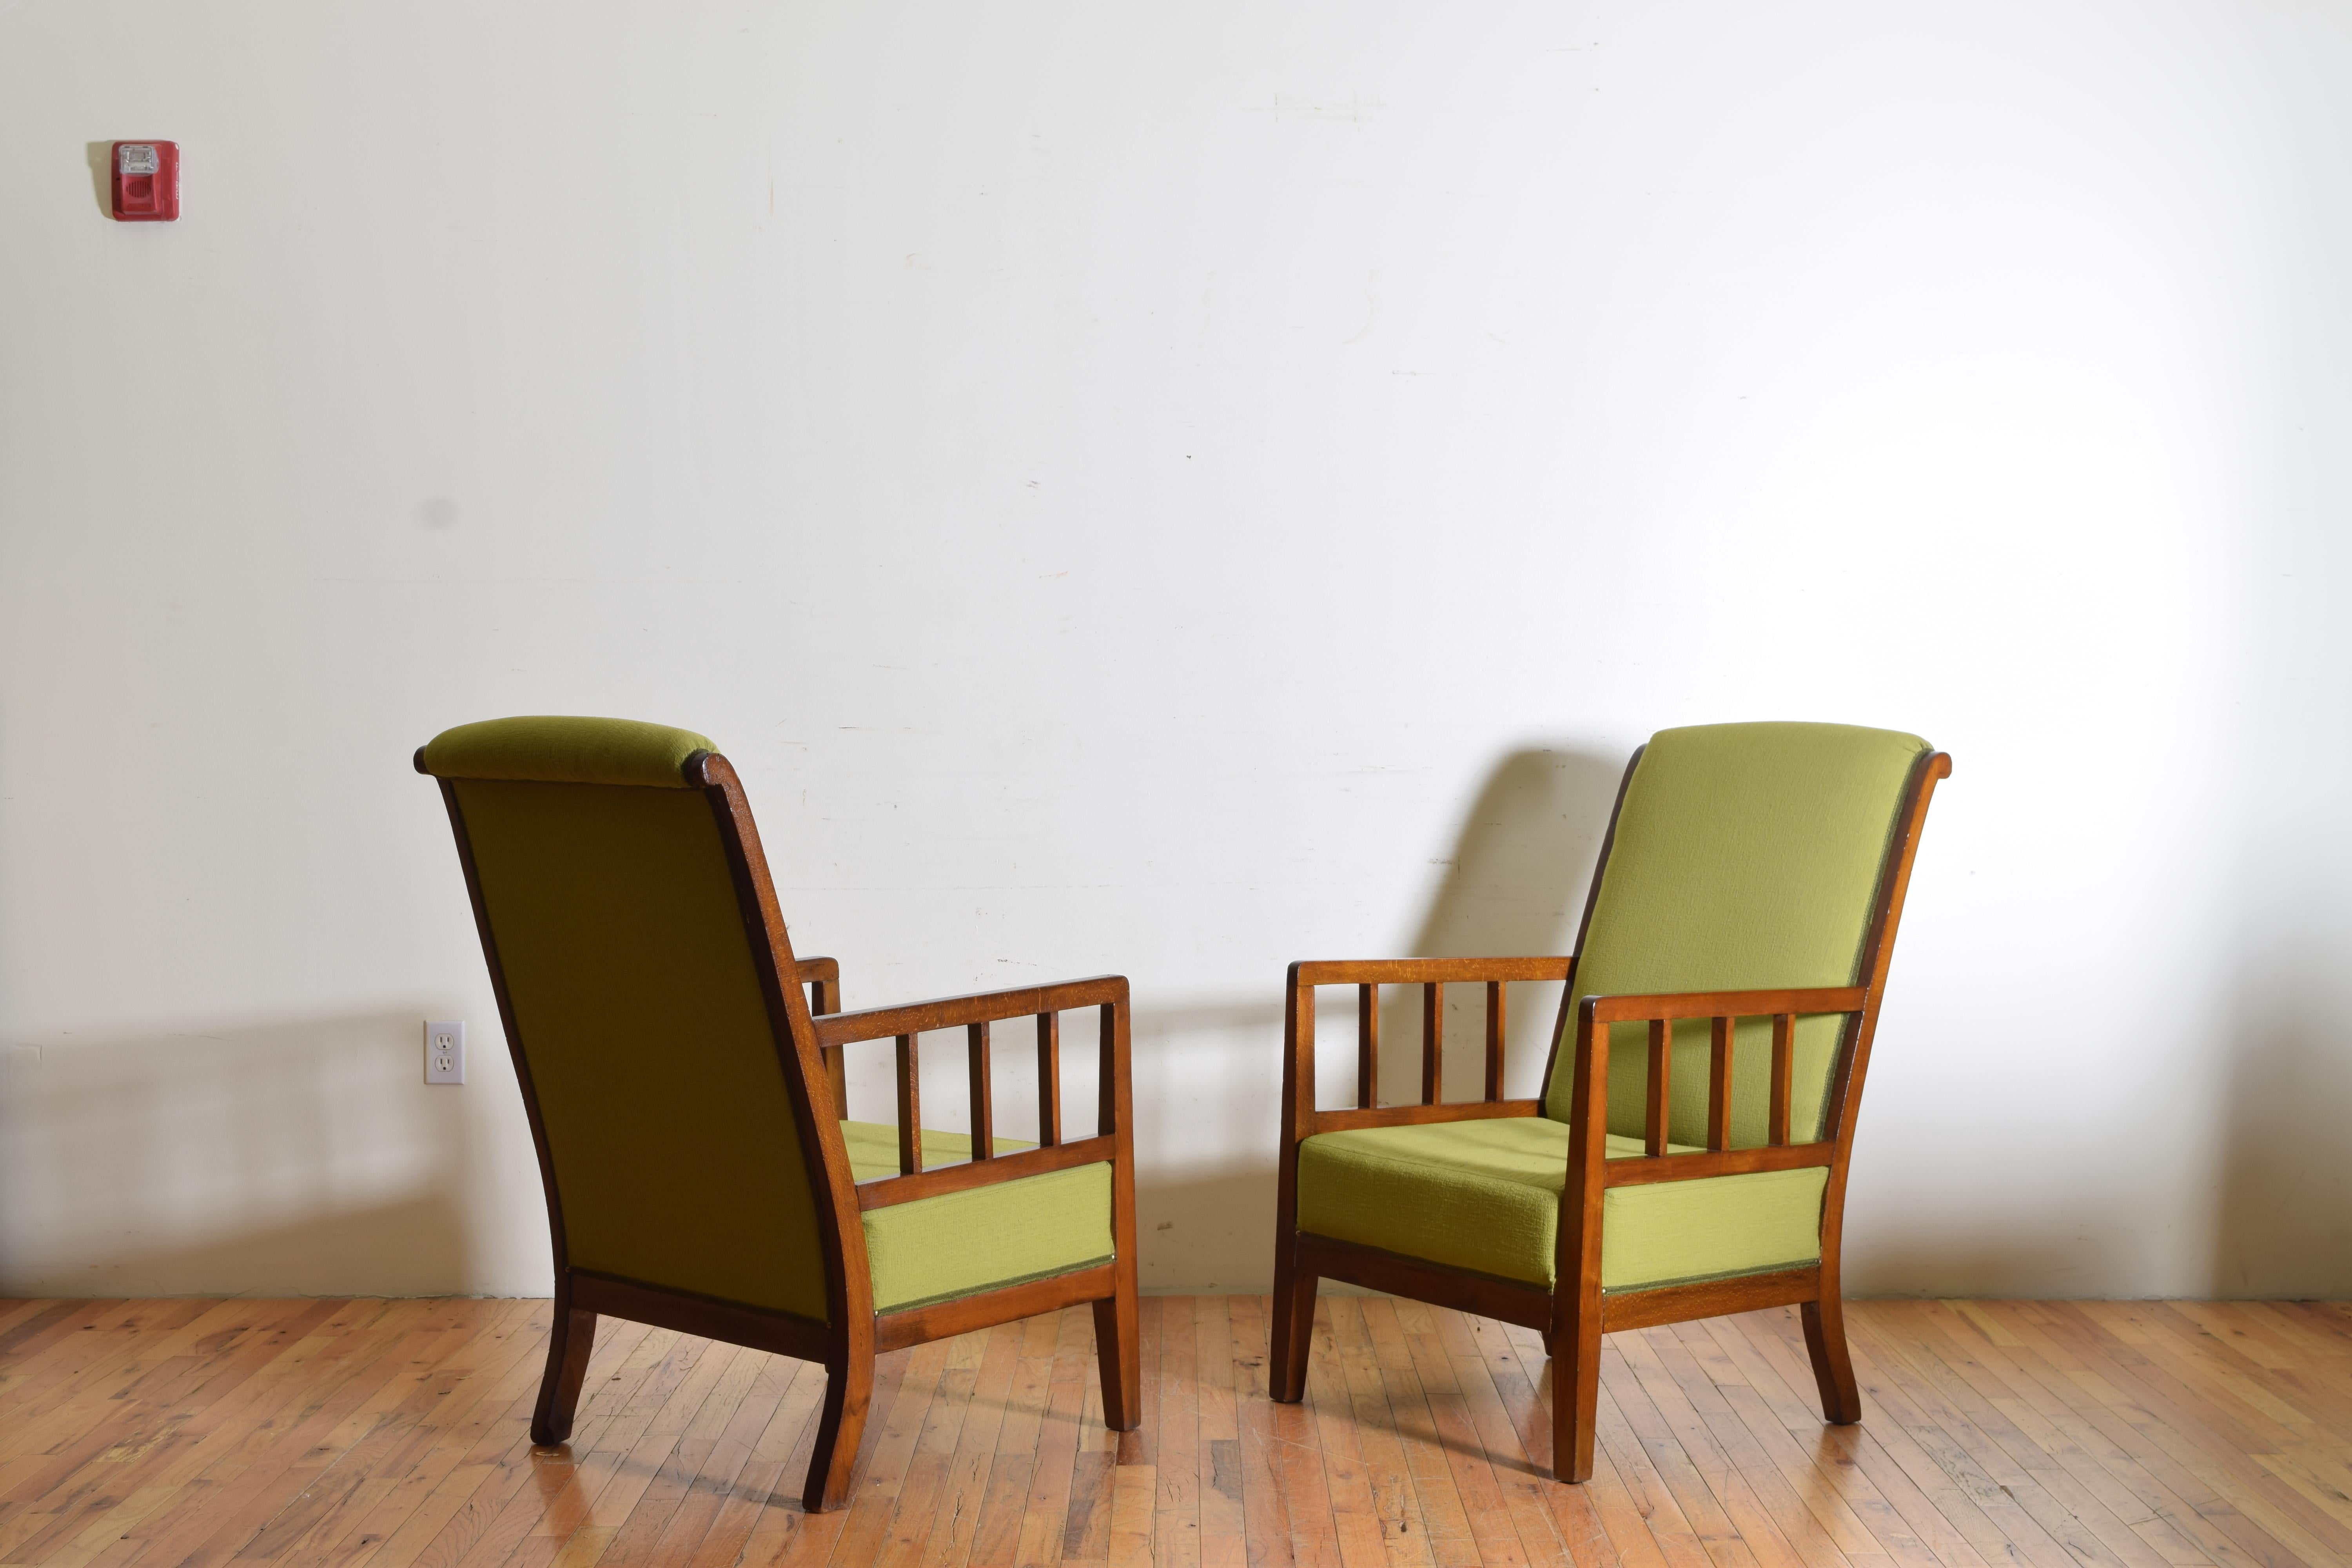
(1688, 1154)
(688, 1103)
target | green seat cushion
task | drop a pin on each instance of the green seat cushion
(934, 1250)
(1486, 1195)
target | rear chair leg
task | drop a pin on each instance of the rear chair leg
(1292, 1330)
(1833, 1368)
(848, 1388)
(569, 1340)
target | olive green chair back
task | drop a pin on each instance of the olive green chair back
(635, 995)
(1744, 856)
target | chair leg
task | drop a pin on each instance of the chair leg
(1575, 1382)
(569, 1340)
(1832, 1367)
(1292, 1332)
(1117, 1343)
(848, 1388)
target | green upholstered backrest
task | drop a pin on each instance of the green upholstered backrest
(1746, 857)
(632, 979)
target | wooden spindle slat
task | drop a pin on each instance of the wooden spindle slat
(910, 1109)
(983, 1110)
(1494, 1040)
(1720, 1035)
(1432, 1041)
(1662, 1066)
(1107, 1074)
(1049, 1079)
(1784, 1053)
(1368, 1047)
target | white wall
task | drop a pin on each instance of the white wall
(1174, 490)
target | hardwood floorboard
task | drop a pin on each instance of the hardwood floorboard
(184, 1434)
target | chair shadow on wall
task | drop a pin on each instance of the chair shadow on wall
(2284, 1224)
(1514, 884)
(289, 1157)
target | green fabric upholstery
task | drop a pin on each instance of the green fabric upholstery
(1746, 857)
(565, 750)
(1486, 1195)
(616, 924)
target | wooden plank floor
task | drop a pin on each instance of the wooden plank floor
(391, 1432)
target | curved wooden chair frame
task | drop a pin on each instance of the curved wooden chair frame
(809, 1046)
(1574, 1316)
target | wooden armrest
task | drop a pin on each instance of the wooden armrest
(1724, 1003)
(975, 1014)
(1368, 975)
(980, 1008)
(1723, 1010)
(1643, 1170)
(1424, 971)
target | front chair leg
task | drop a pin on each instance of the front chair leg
(1575, 1342)
(1116, 1342)
(569, 1340)
(1292, 1332)
(1833, 1368)
(848, 1388)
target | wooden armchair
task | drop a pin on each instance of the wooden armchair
(688, 1104)
(1688, 1155)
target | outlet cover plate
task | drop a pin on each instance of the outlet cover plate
(444, 1050)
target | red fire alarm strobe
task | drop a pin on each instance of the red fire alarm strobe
(146, 181)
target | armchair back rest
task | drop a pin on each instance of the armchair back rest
(1743, 857)
(631, 981)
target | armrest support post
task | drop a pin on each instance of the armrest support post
(1576, 1312)
(1368, 1047)
(823, 978)
(1111, 1089)
(1298, 1060)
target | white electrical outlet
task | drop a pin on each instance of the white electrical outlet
(445, 1051)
